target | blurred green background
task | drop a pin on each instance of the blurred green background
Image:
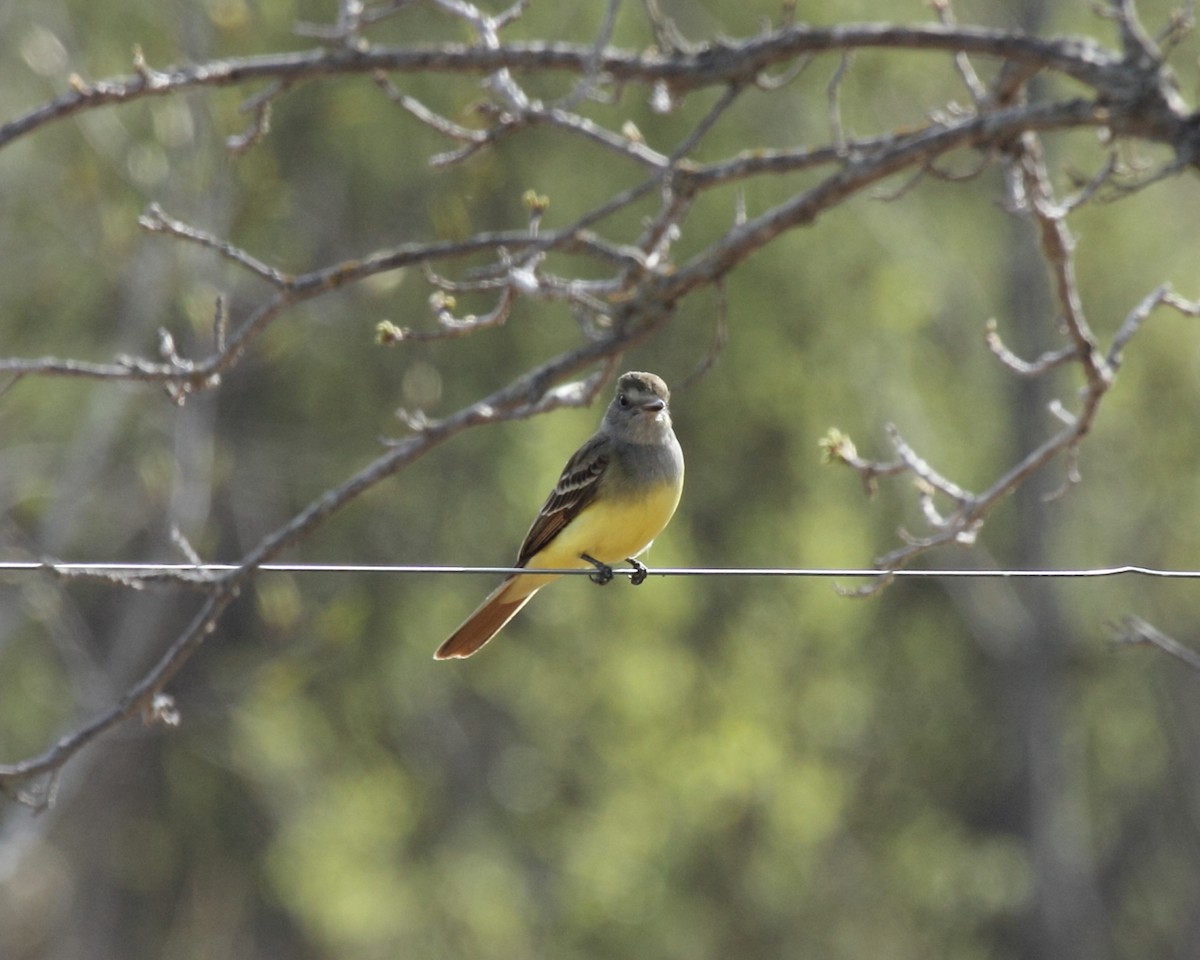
(709, 768)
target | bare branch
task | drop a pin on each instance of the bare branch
(1092, 187)
(832, 93)
(446, 128)
(140, 699)
(1035, 368)
(451, 327)
(719, 341)
(259, 108)
(716, 64)
(155, 220)
(837, 447)
(1058, 248)
(592, 79)
(633, 149)
(1031, 195)
(1134, 631)
(1162, 296)
(919, 467)
(666, 33)
(1134, 39)
(967, 72)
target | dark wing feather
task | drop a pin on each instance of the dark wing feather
(576, 488)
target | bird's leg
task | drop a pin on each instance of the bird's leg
(639, 570)
(603, 572)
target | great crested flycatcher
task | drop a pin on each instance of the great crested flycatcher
(614, 497)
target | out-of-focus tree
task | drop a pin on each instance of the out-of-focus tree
(478, 216)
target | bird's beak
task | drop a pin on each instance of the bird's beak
(653, 406)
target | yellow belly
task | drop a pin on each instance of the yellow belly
(607, 531)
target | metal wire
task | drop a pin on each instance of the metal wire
(143, 569)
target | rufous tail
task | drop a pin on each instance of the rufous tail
(487, 621)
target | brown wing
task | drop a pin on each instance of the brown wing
(576, 488)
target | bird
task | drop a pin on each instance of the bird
(615, 495)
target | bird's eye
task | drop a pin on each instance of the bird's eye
(622, 400)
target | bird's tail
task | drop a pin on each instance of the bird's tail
(501, 605)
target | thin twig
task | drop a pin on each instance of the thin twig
(1134, 631)
(833, 96)
(1161, 296)
(259, 108)
(155, 220)
(719, 341)
(1025, 368)
(962, 62)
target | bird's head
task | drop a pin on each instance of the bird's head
(640, 407)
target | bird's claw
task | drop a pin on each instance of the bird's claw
(603, 572)
(639, 571)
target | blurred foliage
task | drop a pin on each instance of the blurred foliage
(700, 768)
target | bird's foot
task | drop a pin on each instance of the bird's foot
(603, 572)
(639, 571)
